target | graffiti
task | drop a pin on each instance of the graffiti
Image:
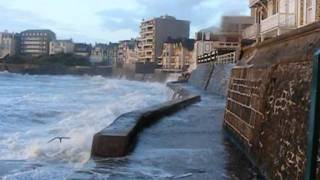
(283, 102)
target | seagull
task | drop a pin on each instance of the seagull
(60, 139)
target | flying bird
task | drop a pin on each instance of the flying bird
(58, 138)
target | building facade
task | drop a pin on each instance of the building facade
(111, 53)
(36, 42)
(226, 39)
(8, 44)
(177, 54)
(61, 47)
(127, 52)
(82, 49)
(98, 53)
(275, 17)
(154, 32)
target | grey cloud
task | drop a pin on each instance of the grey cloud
(199, 15)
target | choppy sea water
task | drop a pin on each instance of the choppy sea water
(35, 109)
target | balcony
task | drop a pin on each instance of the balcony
(226, 45)
(253, 3)
(251, 32)
(277, 21)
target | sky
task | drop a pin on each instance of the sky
(110, 20)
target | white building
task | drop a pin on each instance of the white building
(7, 44)
(36, 42)
(61, 47)
(275, 17)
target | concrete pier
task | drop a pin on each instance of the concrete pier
(118, 139)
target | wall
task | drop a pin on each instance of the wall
(212, 78)
(268, 102)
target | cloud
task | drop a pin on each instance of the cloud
(109, 20)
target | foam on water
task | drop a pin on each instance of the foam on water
(38, 108)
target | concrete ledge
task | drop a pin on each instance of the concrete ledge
(119, 138)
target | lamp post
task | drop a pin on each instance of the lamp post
(313, 133)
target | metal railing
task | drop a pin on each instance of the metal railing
(314, 121)
(229, 58)
(210, 57)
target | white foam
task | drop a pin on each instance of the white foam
(84, 106)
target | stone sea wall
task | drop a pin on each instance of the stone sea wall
(268, 102)
(214, 78)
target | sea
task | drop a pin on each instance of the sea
(37, 108)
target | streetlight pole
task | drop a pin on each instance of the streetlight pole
(313, 133)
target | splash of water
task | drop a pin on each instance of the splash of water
(38, 108)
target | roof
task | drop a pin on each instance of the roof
(186, 43)
(37, 31)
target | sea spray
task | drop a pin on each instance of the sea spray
(36, 109)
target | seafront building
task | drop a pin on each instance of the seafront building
(8, 44)
(36, 42)
(154, 32)
(61, 47)
(82, 49)
(98, 53)
(225, 40)
(177, 54)
(127, 52)
(111, 53)
(275, 17)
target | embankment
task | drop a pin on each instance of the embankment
(214, 78)
(119, 138)
(268, 102)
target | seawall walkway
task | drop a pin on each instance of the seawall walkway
(190, 144)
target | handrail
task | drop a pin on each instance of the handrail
(313, 133)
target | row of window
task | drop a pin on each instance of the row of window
(34, 34)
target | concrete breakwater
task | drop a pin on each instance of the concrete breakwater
(119, 138)
(268, 102)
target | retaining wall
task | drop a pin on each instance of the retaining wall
(213, 78)
(268, 102)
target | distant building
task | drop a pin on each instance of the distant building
(235, 24)
(275, 17)
(36, 42)
(177, 54)
(111, 53)
(8, 44)
(127, 51)
(154, 32)
(98, 53)
(61, 47)
(82, 49)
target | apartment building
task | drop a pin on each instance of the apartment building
(111, 53)
(98, 53)
(154, 32)
(36, 42)
(8, 44)
(82, 49)
(127, 52)
(61, 47)
(177, 54)
(275, 17)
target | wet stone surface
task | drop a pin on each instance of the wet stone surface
(188, 145)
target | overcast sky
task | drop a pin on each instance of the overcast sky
(110, 20)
